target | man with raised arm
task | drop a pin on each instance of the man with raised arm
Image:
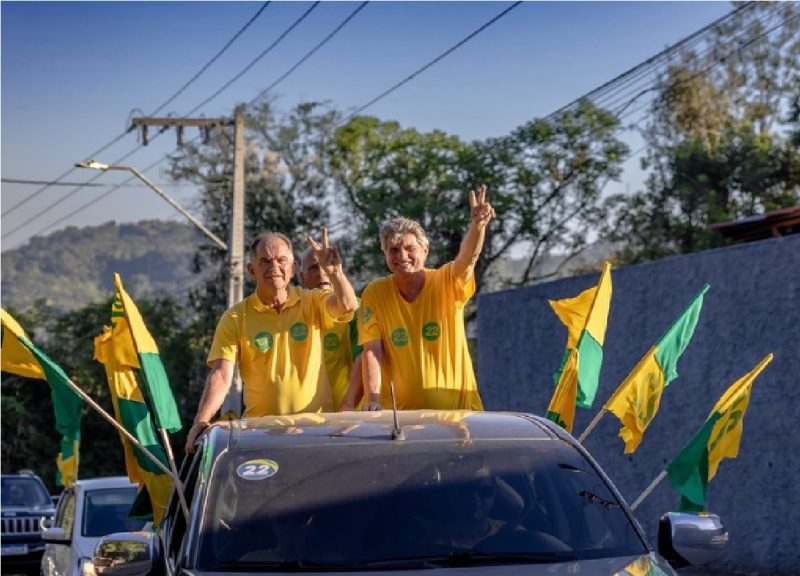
(340, 341)
(412, 321)
(276, 336)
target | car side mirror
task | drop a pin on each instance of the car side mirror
(686, 539)
(54, 534)
(125, 554)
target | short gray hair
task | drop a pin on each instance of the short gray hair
(399, 226)
(264, 237)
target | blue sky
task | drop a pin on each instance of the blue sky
(73, 73)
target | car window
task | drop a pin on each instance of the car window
(174, 521)
(65, 515)
(23, 491)
(106, 511)
(373, 504)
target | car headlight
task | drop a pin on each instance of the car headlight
(87, 567)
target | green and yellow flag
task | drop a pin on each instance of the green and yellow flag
(637, 399)
(157, 389)
(22, 358)
(719, 438)
(585, 317)
(125, 348)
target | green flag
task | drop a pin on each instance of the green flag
(637, 399)
(719, 438)
(156, 384)
(21, 357)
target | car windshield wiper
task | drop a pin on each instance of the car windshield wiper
(471, 558)
(283, 566)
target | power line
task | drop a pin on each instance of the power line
(45, 182)
(213, 59)
(257, 58)
(607, 87)
(633, 95)
(309, 54)
(653, 59)
(24, 181)
(431, 63)
(262, 93)
(206, 101)
(65, 197)
(163, 105)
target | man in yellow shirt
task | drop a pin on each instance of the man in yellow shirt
(340, 346)
(276, 336)
(412, 322)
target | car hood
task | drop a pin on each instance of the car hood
(85, 545)
(646, 565)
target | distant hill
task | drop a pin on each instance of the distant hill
(74, 267)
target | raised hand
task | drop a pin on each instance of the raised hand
(327, 254)
(481, 212)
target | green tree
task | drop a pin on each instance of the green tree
(717, 150)
(544, 182)
(285, 190)
(28, 428)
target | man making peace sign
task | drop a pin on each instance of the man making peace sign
(276, 336)
(412, 322)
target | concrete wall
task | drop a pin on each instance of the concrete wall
(751, 309)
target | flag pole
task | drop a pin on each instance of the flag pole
(591, 425)
(178, 485)
(648, 490)
(131, 438)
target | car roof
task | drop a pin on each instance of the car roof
(103, 482)
(417, 425)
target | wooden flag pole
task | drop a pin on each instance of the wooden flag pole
(648, 490)
(178, 484)
(591, 425)
(131, 438)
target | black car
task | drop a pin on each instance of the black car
(355, 492)
(25, 501)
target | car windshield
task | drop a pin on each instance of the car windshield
(106, 511)
(395, 505)
(22, 491)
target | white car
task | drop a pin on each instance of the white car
(87, 511)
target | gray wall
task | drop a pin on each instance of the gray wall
(751, 309)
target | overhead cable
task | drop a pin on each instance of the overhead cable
(256, 59)
(309, 53)
(162, 106)
(261, 94)
(443, 55)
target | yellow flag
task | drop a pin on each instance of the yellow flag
(562, 404)
(727, 432)
(17, 358)
(637, 399)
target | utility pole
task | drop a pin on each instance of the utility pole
(233, 402)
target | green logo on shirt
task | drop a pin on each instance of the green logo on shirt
(263, 341)
(366, 315)
(431, 331)
(331, 341)
(298, 331)
(400, 336)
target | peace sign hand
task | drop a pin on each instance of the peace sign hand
(481, 212)
(327, 254)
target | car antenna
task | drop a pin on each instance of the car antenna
(397, 432)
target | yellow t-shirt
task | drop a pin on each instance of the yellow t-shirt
(280, 355)
(425, 349)
(338, 359)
